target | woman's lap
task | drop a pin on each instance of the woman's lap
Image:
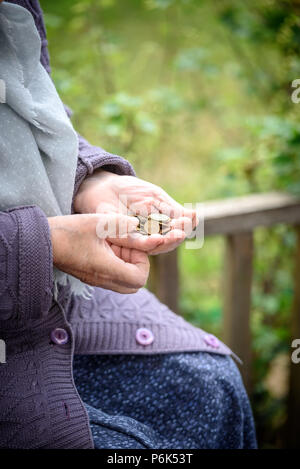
(178, 400)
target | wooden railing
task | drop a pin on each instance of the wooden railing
(236, 219)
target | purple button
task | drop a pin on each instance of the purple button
(59, 336)
(211, 340)
(144, 336)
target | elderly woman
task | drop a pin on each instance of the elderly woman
(72, 306)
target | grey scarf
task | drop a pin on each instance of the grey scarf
(38, 145)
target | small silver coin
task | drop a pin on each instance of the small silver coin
(155, 223)
(159, 217)
(151, 227)
(141, 218)
(164, 225)
(142, 231)
(165, 230)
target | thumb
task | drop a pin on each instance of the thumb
(130, 266)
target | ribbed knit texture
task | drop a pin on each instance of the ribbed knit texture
(92, 158)
(108, 322)
(36, 384)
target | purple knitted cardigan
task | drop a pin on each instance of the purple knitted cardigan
(42, 334)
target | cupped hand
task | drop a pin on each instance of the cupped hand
(77, 250)
(105, 192)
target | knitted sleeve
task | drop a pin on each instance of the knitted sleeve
(26, 265)
(91, 158)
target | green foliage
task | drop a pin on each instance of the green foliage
(197, 95)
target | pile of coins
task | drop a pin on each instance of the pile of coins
(155, 223)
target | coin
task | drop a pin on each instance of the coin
(151, 227)
(153, 224)
(165, 230)
(142, 231)
(159, 217)
(141, 218)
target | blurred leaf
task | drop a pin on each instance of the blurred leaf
(191, 59)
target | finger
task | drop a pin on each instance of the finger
(164, 249)
(145, 206)
(115, 225)
(125, 254)
(96, 279)
(150, 243)
(123, 290)
(113, 286)
(138, 241)
(183, 223)
(175, 209)
(116, 249)
(176, 237)
(132, 274)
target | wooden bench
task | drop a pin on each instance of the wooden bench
(236, 219)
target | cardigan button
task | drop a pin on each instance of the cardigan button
(144, 336)
(211, 340)
(59, 336)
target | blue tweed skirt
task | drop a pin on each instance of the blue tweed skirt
(185, 400)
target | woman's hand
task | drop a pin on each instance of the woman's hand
(77, 250)
(105, 192)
